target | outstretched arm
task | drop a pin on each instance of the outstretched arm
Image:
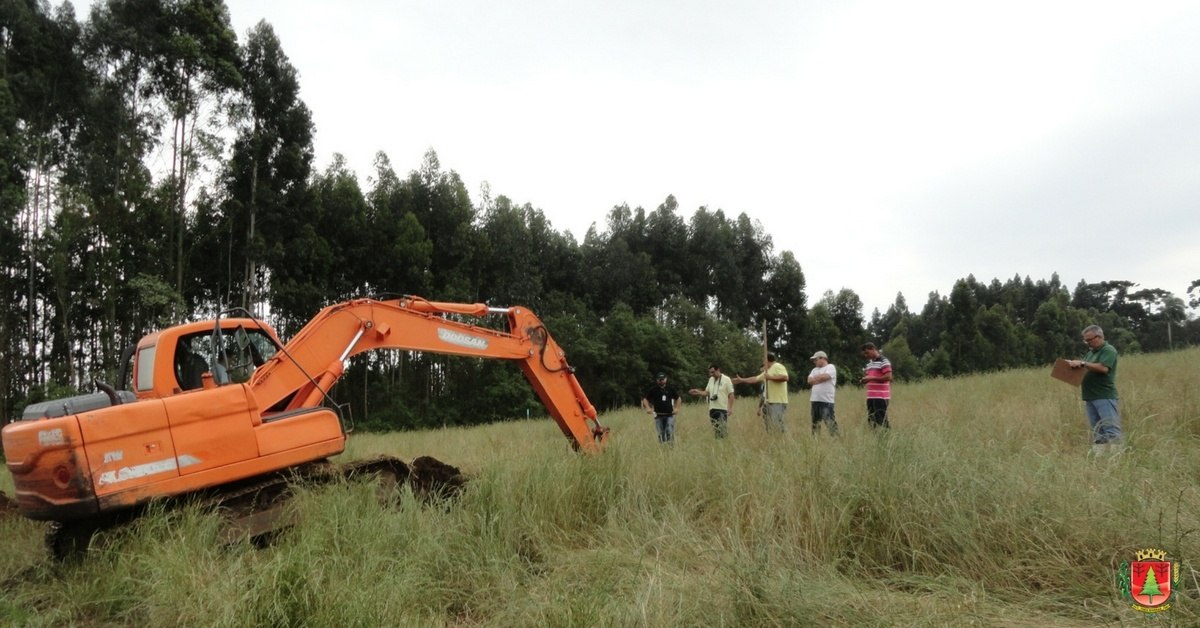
(751, 380)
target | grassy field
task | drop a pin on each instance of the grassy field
(981, 507)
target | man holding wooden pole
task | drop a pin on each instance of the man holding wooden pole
(776, 377)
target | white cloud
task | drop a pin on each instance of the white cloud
(944, 138)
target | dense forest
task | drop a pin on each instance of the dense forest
(155, 168)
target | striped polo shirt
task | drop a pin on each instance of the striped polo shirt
(879, 390)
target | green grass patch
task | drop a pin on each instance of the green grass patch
(980, 506)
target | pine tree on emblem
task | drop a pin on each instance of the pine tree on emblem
(1150, 585)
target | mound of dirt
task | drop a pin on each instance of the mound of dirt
(431, 476)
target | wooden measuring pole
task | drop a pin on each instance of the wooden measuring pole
(762, 402)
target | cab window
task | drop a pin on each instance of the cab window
(231, 358)
(145, 369)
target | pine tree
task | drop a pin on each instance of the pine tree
(1150, 585)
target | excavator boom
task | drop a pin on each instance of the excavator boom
(300, 375)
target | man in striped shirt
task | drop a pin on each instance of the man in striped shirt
(878, 378)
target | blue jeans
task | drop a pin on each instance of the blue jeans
(1104, 420)
(822, 412)
(665, 424)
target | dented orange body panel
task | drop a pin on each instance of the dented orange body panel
(177, 438)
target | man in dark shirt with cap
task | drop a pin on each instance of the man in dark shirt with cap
(662, 402)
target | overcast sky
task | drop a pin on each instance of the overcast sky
(891, 146)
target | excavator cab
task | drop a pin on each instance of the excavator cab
(195, 356)
(225, 357)
(190, 365)
(248, 351)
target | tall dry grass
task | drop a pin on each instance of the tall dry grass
(981, 506)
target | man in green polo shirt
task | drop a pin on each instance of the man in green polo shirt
(1100, 391)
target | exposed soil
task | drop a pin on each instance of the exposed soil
(433, 477)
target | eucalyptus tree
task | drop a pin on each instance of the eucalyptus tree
(264, 184)
(625, 267)
(754, 256)
(173, 61)
(403, 250)
(883, 326)
(197, 68)
(962, 339)
(666, 238)
(107, 172)
(44, 85)
(1035, 293)
(12, 195)
(1003, 344)
(905, 365)
(786, 310)
(442, 205)
(712, 263)
(1055, 328)
(342, 217)
(926, 329)
(846, 309)
(614, 271)
(13, 175)
(510, 270)
(560, 265)
(824, 335)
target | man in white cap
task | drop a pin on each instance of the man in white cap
(823, 379)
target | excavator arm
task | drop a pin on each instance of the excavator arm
(301, 374)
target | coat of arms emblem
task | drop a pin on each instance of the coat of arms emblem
(1149, 580)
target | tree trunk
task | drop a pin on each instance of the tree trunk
(181, 126)
(31, 229)
(248, 290)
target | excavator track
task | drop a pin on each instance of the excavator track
(256, 509)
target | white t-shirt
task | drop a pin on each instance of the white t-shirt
(826, 389)
(718, 392)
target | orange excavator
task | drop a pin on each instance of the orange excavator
(220, 403)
